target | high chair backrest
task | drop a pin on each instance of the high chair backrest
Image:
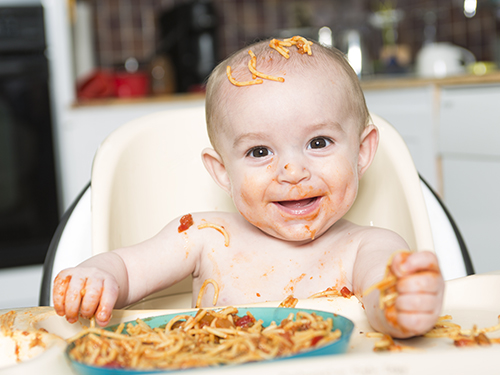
(149, 171)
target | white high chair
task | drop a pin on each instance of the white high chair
(149, 171)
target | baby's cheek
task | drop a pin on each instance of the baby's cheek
(250, 190)
(247, 197)
(250, 203)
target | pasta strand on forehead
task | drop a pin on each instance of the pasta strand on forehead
(241, 83)
(252, 67)
(302, 44)
(253, 62)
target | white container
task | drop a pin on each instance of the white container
(438, 60)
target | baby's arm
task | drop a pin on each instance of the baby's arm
(124, 276)
(419, 285)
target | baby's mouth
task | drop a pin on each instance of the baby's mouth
(299, 206)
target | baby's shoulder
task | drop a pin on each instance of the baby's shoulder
(217, 217)
(228, 223)
(220, 232)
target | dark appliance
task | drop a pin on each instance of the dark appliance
(188, 38)
(29, 211)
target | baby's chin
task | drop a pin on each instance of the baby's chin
(303, 231)
(299, 233)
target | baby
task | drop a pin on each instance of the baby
(290, 150)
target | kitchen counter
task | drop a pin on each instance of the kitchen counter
(181, 97)
(397, 82)
(368, 83)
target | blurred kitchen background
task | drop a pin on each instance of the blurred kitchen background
(72, 71)
(184, 39)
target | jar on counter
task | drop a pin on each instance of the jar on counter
(162, 77)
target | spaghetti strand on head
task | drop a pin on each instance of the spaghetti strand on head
(241, 83)
(253, 62)
(303, 46)
(252, 66)
(278, 45)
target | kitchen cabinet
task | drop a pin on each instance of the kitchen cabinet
(470, 187)
(470, 120)
(452, 129)
(469, 142)
(411, 112)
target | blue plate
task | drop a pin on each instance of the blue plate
(267, 314)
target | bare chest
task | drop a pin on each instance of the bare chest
(252, 273)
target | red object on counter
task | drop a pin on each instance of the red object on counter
(131, 85)
(99, 84)
(106, 84)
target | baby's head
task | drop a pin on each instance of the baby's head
(289, 153)
(327, 63)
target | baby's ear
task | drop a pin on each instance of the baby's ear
(367, 148)
(215, 166)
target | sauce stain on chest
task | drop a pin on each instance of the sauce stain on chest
(291, 285)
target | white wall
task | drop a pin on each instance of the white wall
(59, 53)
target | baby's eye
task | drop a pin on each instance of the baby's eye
(319, 142)
(259, 152)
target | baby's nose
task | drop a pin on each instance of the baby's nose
(293, 173)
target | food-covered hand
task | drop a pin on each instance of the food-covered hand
(419, 288)
(85, 291)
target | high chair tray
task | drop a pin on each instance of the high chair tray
(472, 300)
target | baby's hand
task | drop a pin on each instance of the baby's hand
(420, 288)
(85, 291)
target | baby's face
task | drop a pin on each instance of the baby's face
(291, 152)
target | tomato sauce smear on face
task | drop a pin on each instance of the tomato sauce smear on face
(186, 221)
